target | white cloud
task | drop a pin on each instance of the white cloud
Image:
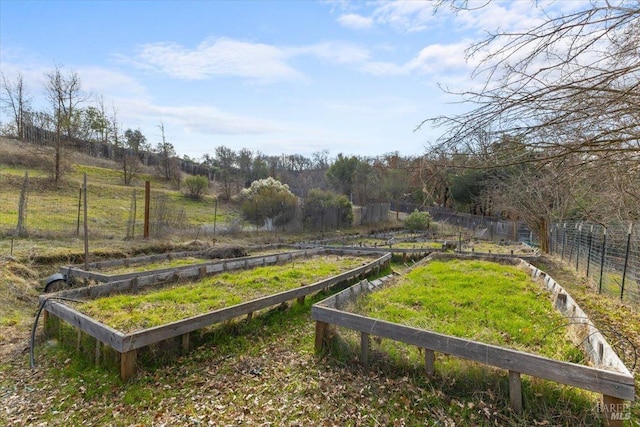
(200, 119)
(211, 121)
(355, 21)
(338, 52)
(219, 57)
(405, 16)
(100, 81)
(438, 58)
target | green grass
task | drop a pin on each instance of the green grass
(612, 285)
(54, 210)
(265, 371)
(132, 312)
(478, 300)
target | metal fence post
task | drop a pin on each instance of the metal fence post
(575, 227)
(589, 249)
(564, 239)
(626, 260)
(604, 251)
(579, 240)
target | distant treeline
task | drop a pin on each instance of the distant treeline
(108, 150)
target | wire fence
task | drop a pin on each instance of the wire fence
(610, 255)
(32, 206)
(483, 227)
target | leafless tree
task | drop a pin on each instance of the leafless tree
(15, 102)
(65, 94)
(169, 168)
(569, 87)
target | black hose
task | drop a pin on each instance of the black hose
(35, 325)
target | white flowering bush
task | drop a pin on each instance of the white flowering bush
(269, 201)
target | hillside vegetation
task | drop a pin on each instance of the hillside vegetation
(257, 372)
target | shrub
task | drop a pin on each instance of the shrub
(196, 186)
(269, 200)
(418, 221)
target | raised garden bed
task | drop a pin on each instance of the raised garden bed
(150, 265)
(475, 299)
(154, 330)
(155, 307)
(400, 320)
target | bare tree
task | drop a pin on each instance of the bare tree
(168, 162)
(540, 196)
(569, 87)
(226, 161)
(15, 102)
(65, 95)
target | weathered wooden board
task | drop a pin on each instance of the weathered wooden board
(606, 382)
(186, 271)
(136, 281)
(125, 343)
(99, 331)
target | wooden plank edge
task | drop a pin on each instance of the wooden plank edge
(607, 382)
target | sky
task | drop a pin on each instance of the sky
(275, 77)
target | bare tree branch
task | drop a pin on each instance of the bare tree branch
(568, 87)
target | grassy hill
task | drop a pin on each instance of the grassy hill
(258, 372)
(54, 209)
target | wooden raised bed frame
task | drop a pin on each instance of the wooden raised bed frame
(128, 344)
(610, 377)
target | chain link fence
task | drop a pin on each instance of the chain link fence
(609, 255)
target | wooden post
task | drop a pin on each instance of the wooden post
(600, 352)
(78, 339)
(86, 224)
(128, 364)
(364, 349)
(515, 391)
(45, 322)
(301, 299)
(147, 202)
(429, 362)
(612, 411)
(185, 343)
(561, 301)
(98, 350)
(321, 330)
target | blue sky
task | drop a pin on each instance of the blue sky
(292, 77)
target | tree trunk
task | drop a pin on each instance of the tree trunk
(543, 235)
